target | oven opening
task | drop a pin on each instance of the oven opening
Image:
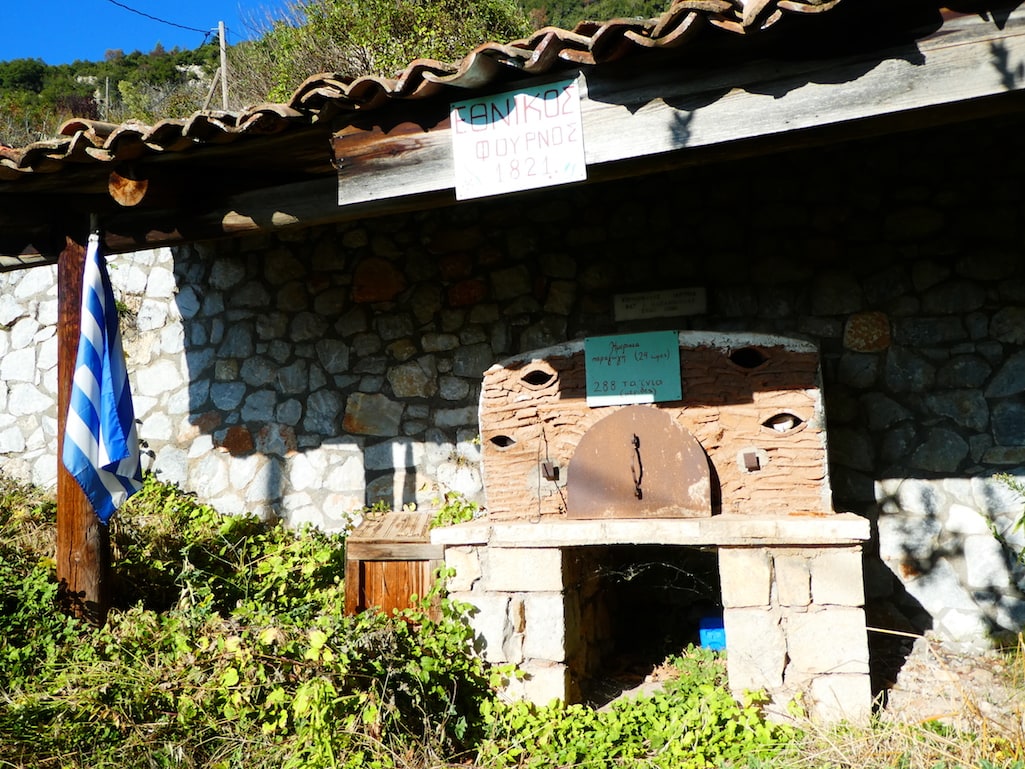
(641, 605)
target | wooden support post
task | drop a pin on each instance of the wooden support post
(83, 543)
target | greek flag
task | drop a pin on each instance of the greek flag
(101, 448)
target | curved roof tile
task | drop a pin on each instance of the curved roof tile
(326, 95)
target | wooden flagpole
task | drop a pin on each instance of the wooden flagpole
(83, 543)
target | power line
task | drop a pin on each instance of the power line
(158, 19)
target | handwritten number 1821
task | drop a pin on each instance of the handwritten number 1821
(514, 169)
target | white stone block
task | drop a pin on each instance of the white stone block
(543, 683)
(171, 465)
(389, 455)
(161, 283)
(158, 378)
(965, 630)
(962, 519)
(243, 470)
(19, 366)
(10, 310)
(837, 577)
(545, 626)
(490, 622)
(835, 698)
(832, 640)
(466, 562)
(756, 649)
(38, 280)
(152, 315)
(939, 589)
(338, 508)
(985, 562)
(156, 427)
(302, 472)
(26, 400)
(793, 579)
(11, 440)
(523, 569)
(745, 575)
(44, 470)
(346, 475)
(46, 314)
(23, 333)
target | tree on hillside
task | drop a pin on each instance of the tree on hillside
(364, 37)
(35, 98)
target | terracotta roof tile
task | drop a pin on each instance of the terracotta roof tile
(328, 95)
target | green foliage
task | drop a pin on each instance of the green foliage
(1016, 485)
(568, 13)
(693, 723)
(364, 37)
(454, 508)
(35, 98)
(229, 647)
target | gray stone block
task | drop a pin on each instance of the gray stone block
(836, 577)
(756, 649)
(793, 579)
(745, 575)
(523, 569)
(835, 698)
(827, 640)
(545, 629)
(490, 622)
(466, 563)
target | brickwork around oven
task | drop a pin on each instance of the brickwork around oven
(308, 373)
(535, 406)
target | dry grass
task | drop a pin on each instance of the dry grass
(27, 518)
(969, 734)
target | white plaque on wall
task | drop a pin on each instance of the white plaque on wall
(518, 140)
(660, 304)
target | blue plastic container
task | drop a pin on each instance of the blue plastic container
(711, 633)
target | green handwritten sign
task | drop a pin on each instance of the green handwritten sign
(633, 368)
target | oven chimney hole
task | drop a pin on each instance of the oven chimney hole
(748, 357)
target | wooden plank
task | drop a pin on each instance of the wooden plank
(394, 527)
(353, 585)
(393, 551)
(387, 586)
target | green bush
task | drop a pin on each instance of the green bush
(693, 723)
(229, 647)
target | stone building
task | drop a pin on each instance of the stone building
(306, 370)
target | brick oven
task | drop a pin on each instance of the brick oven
(621, 529)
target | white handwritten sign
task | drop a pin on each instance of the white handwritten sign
(660, 304)
(518, 140)
(633, 368)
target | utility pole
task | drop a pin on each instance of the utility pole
(224, 66)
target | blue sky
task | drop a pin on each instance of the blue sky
(61, 31)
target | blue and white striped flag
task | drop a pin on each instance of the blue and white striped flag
(101, 448)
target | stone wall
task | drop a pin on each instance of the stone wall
(308, 373)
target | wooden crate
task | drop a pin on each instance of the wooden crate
(388, 559)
